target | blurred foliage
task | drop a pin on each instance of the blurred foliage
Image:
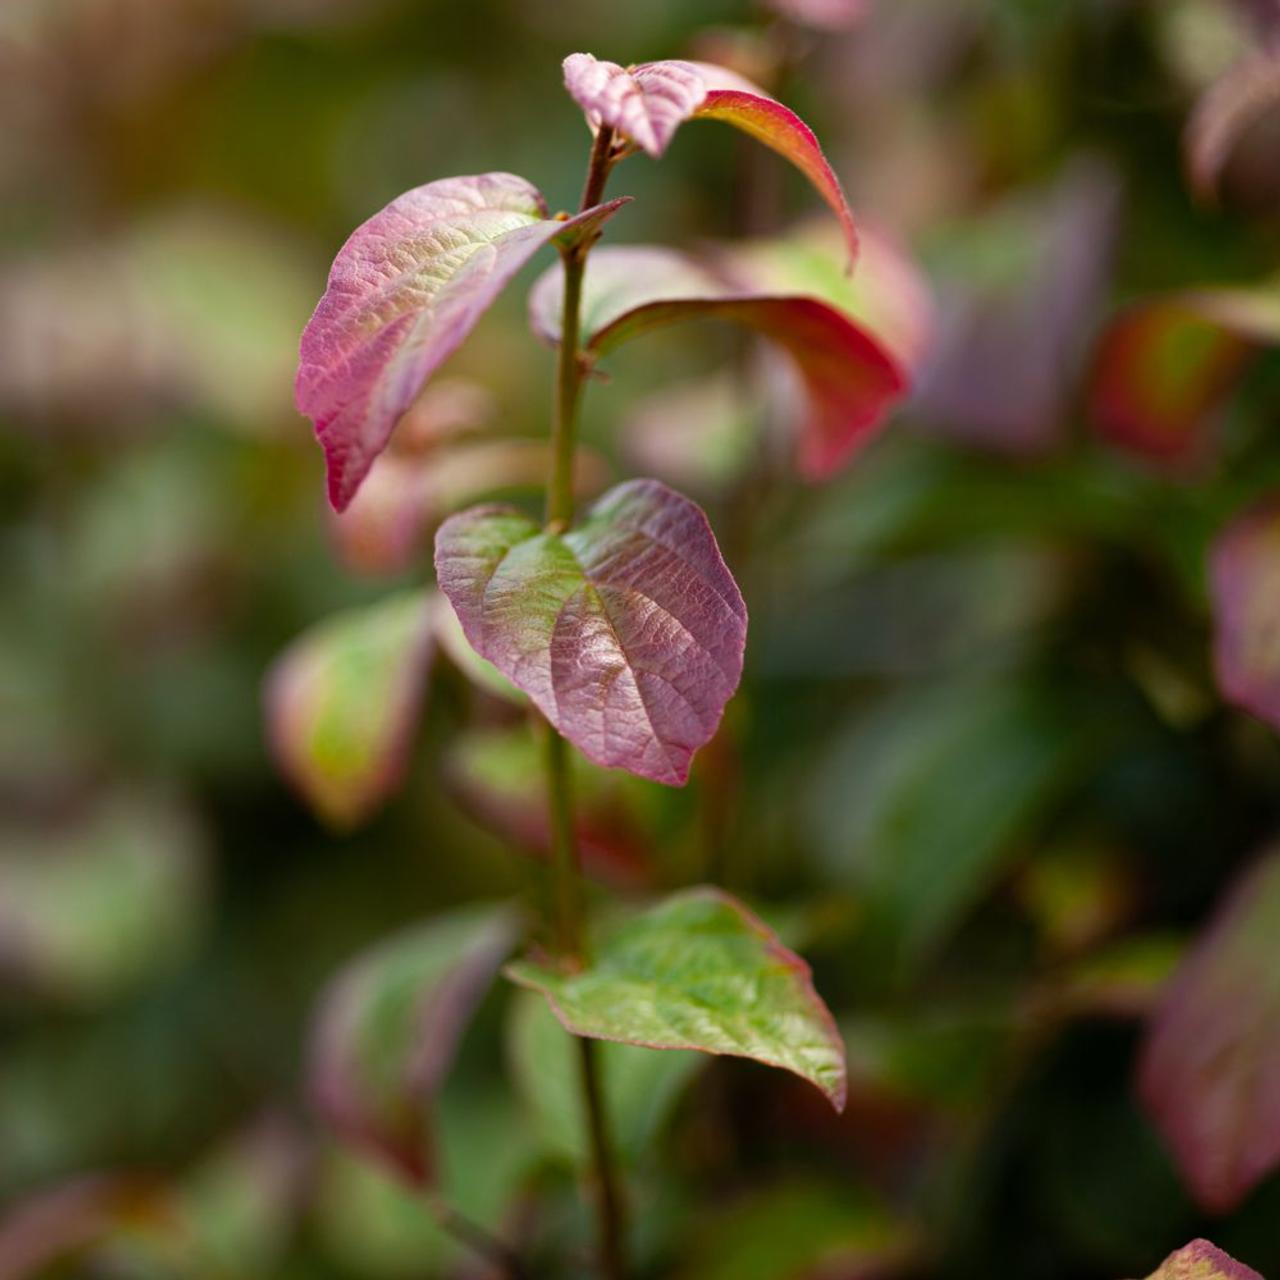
(979, 770)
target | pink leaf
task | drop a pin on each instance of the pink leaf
(1210, 1069)
(627, 632)
(1239, 98)
(1201, 1260)
(403, 294)
(823, 15)
(1244, 583)
(343, 700)
(649, 102)
(850, 380)
(388, 1027)
(1165, 367)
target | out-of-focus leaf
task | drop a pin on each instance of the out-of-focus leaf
(1201, 1260)
(850, 380)
(1126, 979)
(698, 971)
(823, 15)
(499, 777)
(922, 803)
(648, 103)
(389, 1024)
(1210, 1068)
(627, 631)
(1015, 313)
(1164, 367)
(98, 902)
(403, 294)
(887, 294)
(385, 527)
(343, 701)
(1244, 584)
(374, 1225)
(798, 1231)
(1239, 98)
(640, 1085)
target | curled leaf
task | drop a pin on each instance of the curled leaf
(850, 380)
(404, 292)
(1239, 98)
(649, 102)
(1244, 583)
(343, 700)
(699, 971)
(1201, 1260)
(1210, 1069)
(389, 1025)
(627, 631)
(1165, 367)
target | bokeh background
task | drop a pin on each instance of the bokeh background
(979, 771)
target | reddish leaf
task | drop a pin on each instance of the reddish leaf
(389, 1025)
(850, 380)
(649, 102)
(1244, 582)
(823, 15)
(1165, 367)
(627, 631)
(1232, 104)
(403, 294)
(1210, 1069)
(343, 700)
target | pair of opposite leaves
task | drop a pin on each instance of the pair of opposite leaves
(628, 632)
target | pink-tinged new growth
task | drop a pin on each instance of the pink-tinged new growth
(647, 104)
(1210, 1069)
(699, 971)
(823, 15)
(1244, 584)
(850, 380)
(1201, 1260)
(343, 700)
(404, 292)
(627, 632)
(388, 1026)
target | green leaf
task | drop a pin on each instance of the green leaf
(343, 700)
(640, 1086)
(699, 971)
(388, 1027)
(1201, 1260)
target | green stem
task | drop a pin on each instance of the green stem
(564, 843)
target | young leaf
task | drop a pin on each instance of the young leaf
(389, 1024)
(1165, 367)
(1241, 96)
(404, 292)
(343, 700)
(627, 632)
(850, 380)
(1210, 1069)
(1244, 583)
(699, 971)
(1201, 1260)
(647, 104)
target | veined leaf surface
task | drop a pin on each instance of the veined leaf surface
(627, 631)
(699, 971)
(1201, 1260)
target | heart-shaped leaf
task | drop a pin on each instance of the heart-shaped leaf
(343, 700)
(627, 632)
(1165, 367)
(1210, 1068)
(699, 971)
(1244, 583)
(649, 102)
(850, 380)
(404, 292)
(1201, 1260)
(388, 1027)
